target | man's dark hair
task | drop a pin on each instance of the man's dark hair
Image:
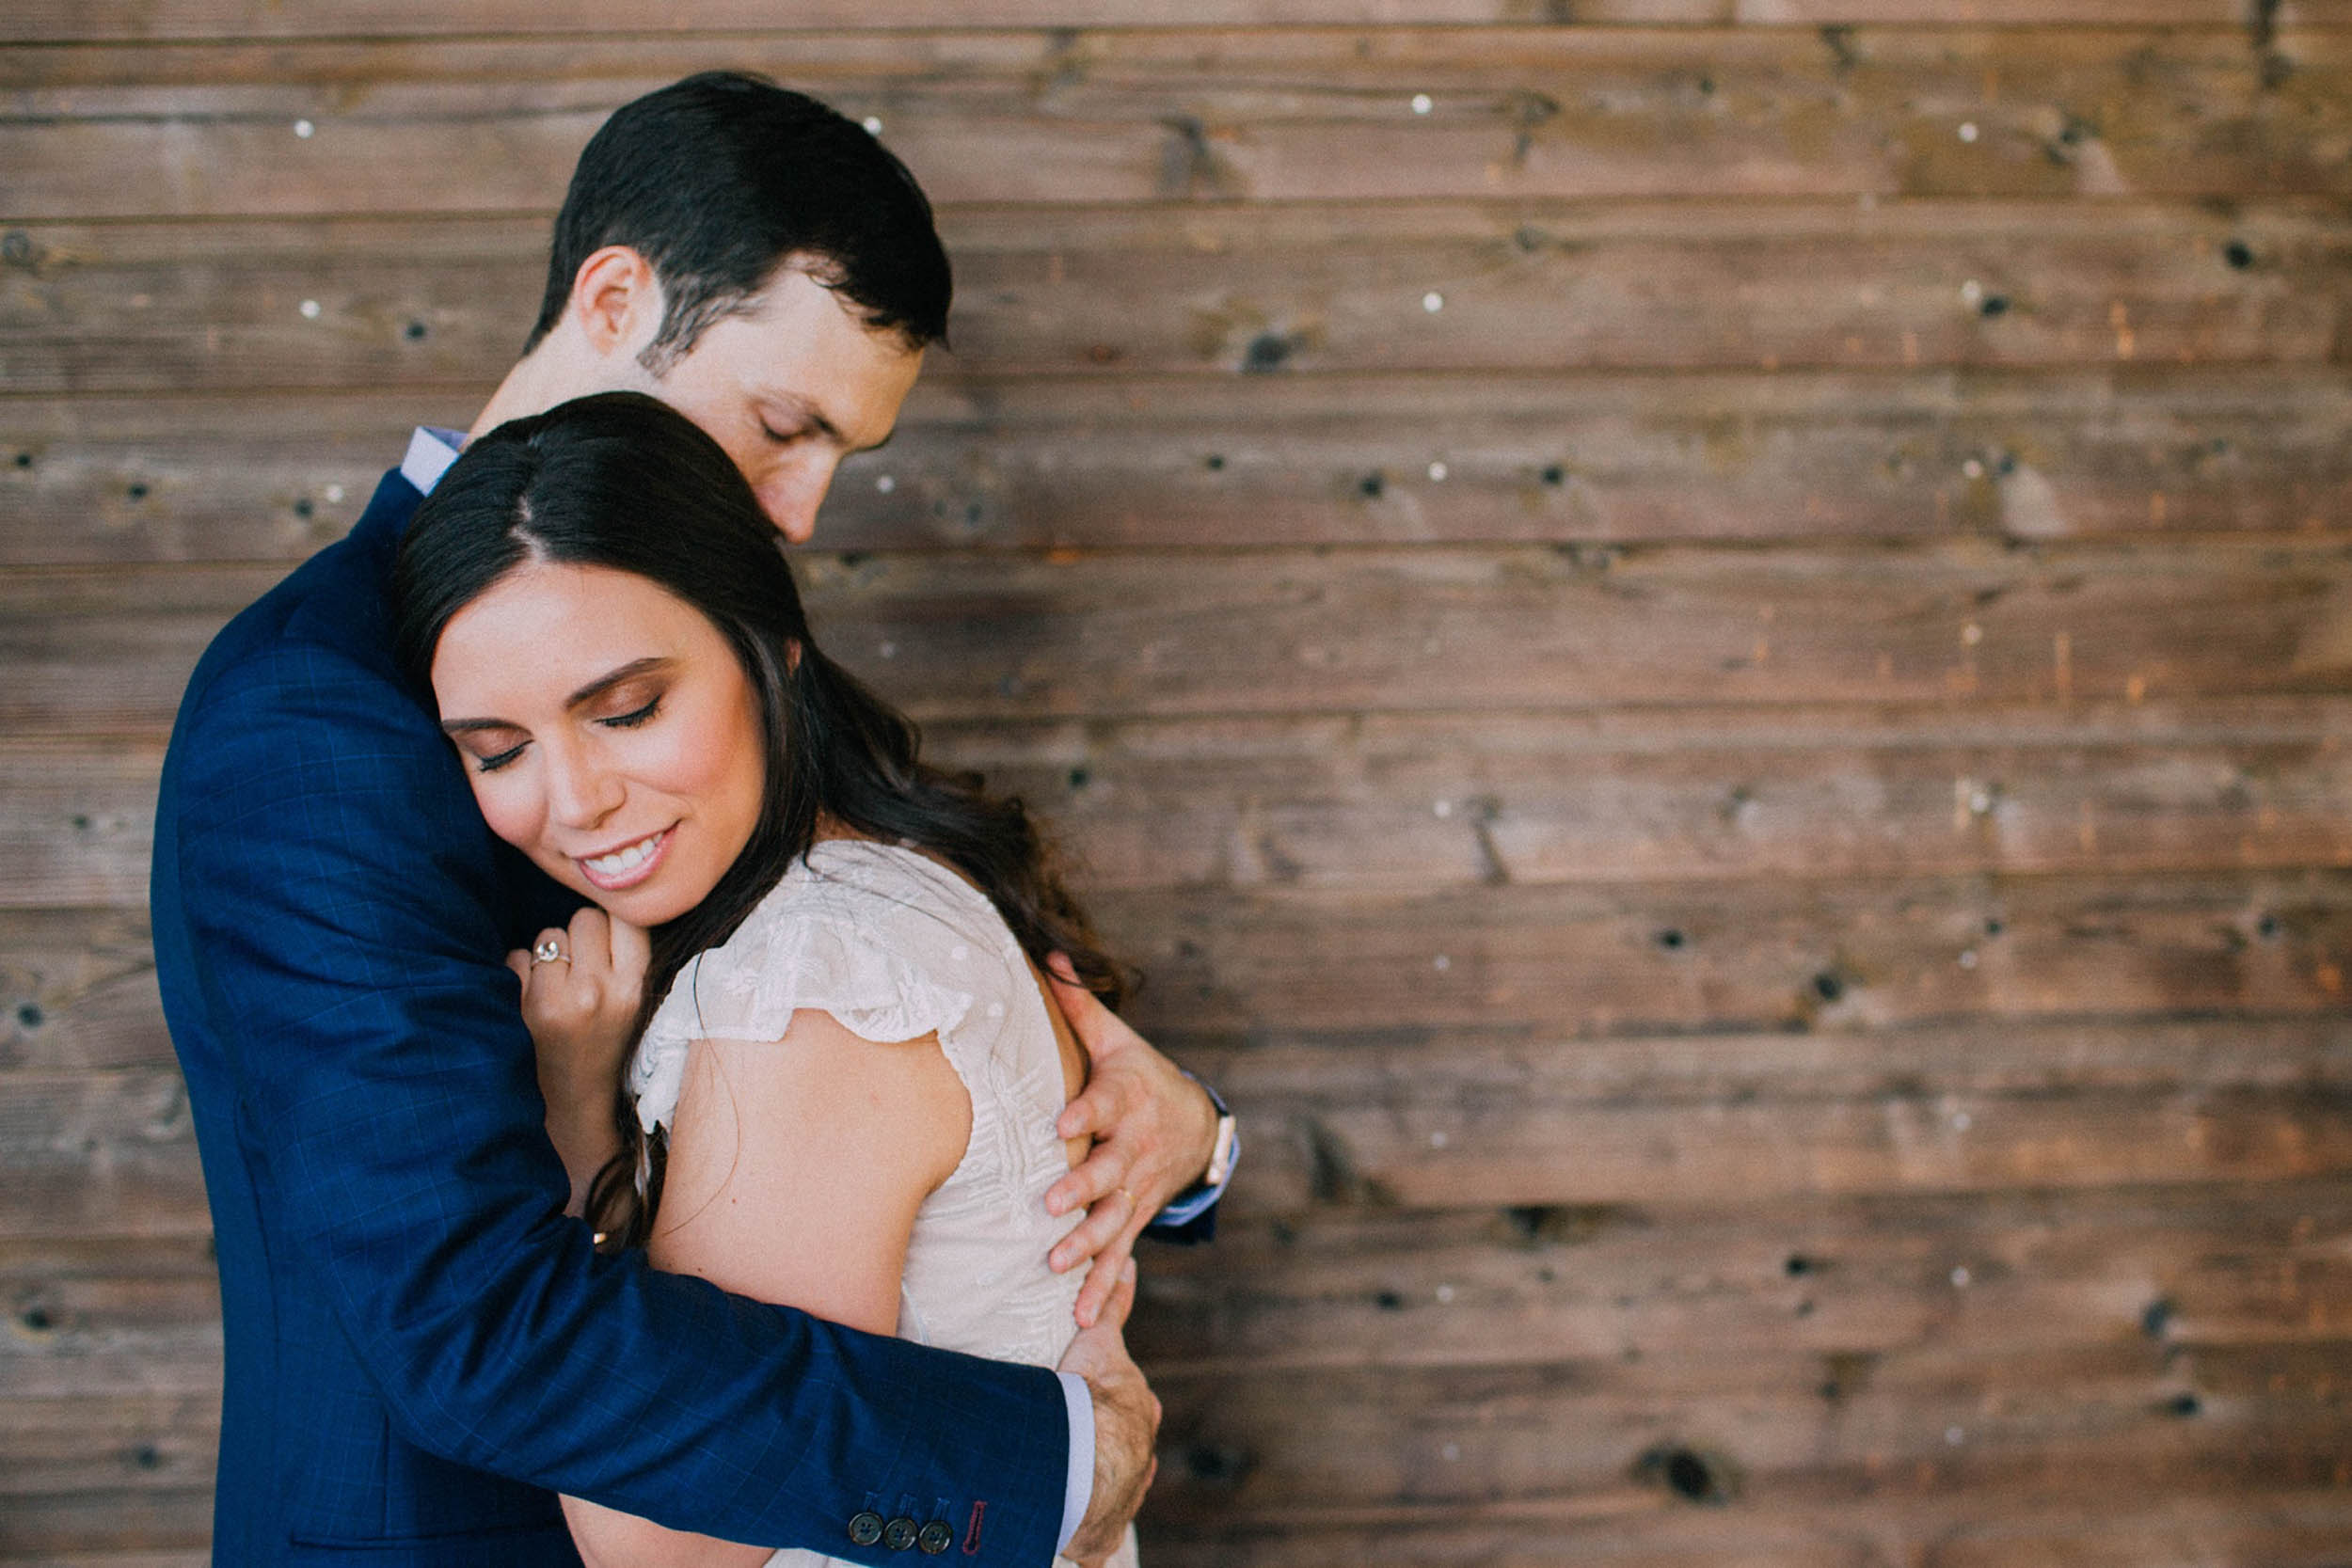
(720, 179)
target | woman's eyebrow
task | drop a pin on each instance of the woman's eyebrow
(606, 682)
(593, 689)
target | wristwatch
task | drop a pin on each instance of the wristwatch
(1227, 1139)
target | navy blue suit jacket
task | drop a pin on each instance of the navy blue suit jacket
(421, 1348)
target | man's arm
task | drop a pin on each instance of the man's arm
(346, 920)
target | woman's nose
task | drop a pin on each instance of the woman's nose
(580, 794)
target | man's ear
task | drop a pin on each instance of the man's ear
(618, 301)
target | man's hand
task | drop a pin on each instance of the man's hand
(1154, 1129)
(580, 1007)
(1126, 1422)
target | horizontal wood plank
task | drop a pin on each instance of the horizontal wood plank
(1450, 1122)
(1319, 1446)
(1848, 1279)
(121, 1334)
(79, 822)
(1284, 115)
(366, 303)
(63, 20)
(1180, 462)
(1629, 1529)
(1592, 961)
(99, 1153)
(979, 637)
(1527, 800)
(109, 1527)
(149, 1445)
(77, 991)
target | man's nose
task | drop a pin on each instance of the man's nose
(791, 497)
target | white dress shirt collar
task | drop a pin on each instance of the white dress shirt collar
(431, 450)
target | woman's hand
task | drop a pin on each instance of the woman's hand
(1154, 1131)
(581, 1007)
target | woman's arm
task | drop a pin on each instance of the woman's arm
(795, 1171)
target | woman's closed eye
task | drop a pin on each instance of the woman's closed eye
(635, 716)
(496, 760)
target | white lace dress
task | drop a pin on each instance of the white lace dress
(896, 947)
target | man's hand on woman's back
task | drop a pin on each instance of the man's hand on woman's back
(1154, 1129)
(1126, 1422)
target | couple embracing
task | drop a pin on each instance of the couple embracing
(650, 1116)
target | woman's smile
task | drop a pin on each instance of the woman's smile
(631, 863)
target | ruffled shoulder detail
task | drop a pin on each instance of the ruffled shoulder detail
(848, 930)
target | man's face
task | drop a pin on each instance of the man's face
(790, 388)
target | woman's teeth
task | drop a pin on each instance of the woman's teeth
(627, 858)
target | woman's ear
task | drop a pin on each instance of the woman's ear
(792, 656)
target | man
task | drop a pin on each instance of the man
(420, 1350)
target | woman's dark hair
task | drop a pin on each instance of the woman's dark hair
(720, 179)
(624, 481)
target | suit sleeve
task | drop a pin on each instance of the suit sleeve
(345, 908)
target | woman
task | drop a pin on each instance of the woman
(848, 1063)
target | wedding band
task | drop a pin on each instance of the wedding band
(548, 952)
(1125, 1194)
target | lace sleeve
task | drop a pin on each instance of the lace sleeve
(805, 946)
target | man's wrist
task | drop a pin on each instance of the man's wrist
(1078, 1488)
(1216, 1171)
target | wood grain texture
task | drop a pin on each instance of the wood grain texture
(1524, 285)
(1700, 644)
(1574, 627)
(1845, 1278)
(1183, 462)
(1450, 1121)
(1322, 1447)
(77, 991)
(1629, 1527)
(58, 21)
(1753, 955)
(112, 1523)
(1274, 115)
(110, 1154)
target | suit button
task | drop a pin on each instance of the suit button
(899, 1534)
(936, 1538)
(867, 1528)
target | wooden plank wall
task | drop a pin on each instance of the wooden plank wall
(1706, 645)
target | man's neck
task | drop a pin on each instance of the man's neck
(558, 369)
(521, 393)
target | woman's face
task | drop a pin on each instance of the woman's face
(609, 733)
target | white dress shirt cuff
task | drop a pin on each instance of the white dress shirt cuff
(1080, 1490)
